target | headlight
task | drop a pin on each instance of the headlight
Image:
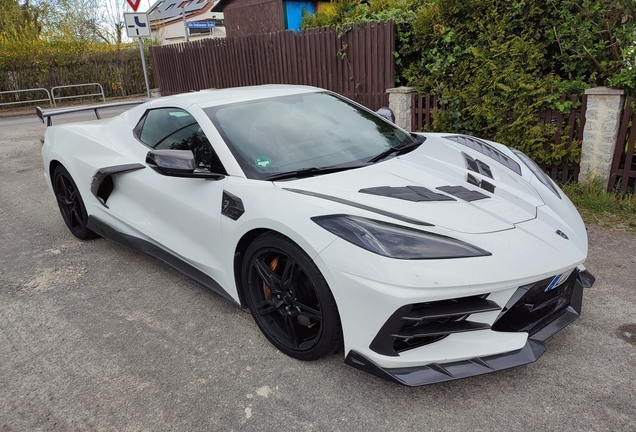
(395, 241)
(537, 171)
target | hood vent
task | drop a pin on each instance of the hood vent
(486, 149)
(462, 193)
(408, 193)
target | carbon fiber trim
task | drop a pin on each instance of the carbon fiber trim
(436, 373)
(103, 174)
(361, 206)
(147, 248)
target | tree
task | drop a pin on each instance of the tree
(89, 20)
(20, 21)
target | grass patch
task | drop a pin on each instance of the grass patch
(607, 209)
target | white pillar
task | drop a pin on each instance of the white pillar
(400, 104)
(602, 120)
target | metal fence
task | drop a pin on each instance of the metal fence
(356, 61)
(80, 95)
(623, 171)
(568, 127)
(16, 95)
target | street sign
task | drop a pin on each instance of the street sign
(137, 25)
(134, 4)
(201, 25)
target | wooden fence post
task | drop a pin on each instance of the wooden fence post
(400, 104)
(602, 120)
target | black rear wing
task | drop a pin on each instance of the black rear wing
(48, 114)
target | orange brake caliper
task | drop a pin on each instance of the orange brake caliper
(273, 265)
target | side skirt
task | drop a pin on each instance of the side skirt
(152, 250)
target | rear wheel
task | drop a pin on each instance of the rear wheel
(71, 205)
(290, 299)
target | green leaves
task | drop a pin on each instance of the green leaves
(487, 58)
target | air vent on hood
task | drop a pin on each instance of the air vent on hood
(477, 166)
(480, 183)
(462, 193)
(408, 193)
(486, 149)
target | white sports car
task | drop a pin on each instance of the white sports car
(430, 257)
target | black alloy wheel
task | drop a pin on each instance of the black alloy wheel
(71, 205)
(289, 298)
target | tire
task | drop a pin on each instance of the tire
(71, 205)
(290, 299)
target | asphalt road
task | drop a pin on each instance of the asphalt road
(96, 337)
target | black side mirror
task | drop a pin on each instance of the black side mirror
(177, 163)
(387, 113)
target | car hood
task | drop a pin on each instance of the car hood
(438, 163)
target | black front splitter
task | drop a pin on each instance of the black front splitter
(437, 373)
(532, 350)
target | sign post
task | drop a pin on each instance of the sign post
(137, 26)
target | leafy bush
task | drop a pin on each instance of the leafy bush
(489, 57)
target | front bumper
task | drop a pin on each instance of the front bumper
(531, 310)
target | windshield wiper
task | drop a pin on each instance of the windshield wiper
(311, 171)
(403, 147)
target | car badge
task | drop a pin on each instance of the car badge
(558, 280)
(554, 283)
(562, 234)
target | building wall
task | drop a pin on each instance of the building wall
(246, 17)
(173, 32)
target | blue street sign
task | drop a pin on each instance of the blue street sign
(201, 25)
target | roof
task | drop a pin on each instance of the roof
(170, 10)
(220, 5)
(209, 98)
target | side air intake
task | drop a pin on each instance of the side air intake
(420, 324)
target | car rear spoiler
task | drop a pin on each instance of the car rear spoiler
(49, 113)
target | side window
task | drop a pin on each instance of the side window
(176, 129)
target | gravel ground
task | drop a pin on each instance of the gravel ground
(96, 337)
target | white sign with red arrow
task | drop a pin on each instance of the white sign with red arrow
(134, 4)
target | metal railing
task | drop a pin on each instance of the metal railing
(49, 99)
(80, 95)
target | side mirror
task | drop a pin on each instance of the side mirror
(387, 113)
(177, 163)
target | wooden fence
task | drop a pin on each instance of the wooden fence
(423, 106)
(356, 62)
(623, 171)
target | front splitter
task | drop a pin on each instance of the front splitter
(437, 373)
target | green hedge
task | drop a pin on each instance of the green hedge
(489, 57)
(44, 64)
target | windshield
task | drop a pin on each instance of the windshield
(311, 130)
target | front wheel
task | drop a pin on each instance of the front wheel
(71, 205)
(290, 299)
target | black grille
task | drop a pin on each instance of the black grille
(532, 307)
(420, 324)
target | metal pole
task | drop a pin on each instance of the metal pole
(185, 26)
(143, 63)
